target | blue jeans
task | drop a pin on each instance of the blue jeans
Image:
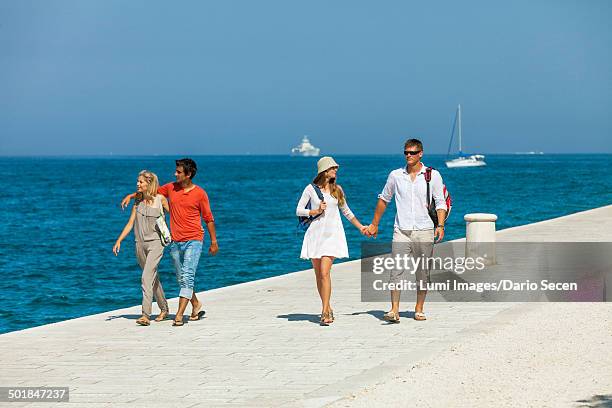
(185, 269)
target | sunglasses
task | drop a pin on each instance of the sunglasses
(411, 152)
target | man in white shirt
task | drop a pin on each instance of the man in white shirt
(413, 232)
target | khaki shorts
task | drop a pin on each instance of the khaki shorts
(414, 244)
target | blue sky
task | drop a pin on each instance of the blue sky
(234, 77)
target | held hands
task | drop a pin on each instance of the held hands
(370, 231)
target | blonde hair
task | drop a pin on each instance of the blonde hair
(152, 185)
(334, 189)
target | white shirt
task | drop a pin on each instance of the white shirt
(325, 236)
(310, 195)
(411, 197)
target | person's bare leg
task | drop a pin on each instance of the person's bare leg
(424, 247)
(420, 303)
(196, 306)
(326, 264)
(395, 301)
(316, 265)
(399, 247)
(183, 302)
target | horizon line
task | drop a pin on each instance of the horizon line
(112, 155)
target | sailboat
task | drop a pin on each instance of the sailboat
(463, 160)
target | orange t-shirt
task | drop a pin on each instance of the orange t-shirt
(186, 208)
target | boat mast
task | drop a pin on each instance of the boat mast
(459, 122)
(450, 142)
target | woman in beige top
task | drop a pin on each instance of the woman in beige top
(149, 249)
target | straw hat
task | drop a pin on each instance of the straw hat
(326, 163)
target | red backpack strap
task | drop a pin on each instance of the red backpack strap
(428, 174)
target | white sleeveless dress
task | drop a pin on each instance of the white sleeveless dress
(325, 236)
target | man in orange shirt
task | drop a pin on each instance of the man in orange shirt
(188, 204)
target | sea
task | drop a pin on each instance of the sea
(62, 216)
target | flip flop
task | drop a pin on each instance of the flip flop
(198, 316)
(391, 317)
(326, 319)
(161, 316)
(419, 316)
(178, 323)
(143, 322)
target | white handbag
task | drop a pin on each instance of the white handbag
(164, 232)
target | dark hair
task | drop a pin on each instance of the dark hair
(189, 167)
(413, 142)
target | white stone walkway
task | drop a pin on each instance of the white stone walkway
(260, 344)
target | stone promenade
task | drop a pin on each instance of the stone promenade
(260, 344)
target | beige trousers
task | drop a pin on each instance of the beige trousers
(149, 253)
(414, 244)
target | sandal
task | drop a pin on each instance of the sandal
(143, 321)
(197, 314)
(419, 316)
(326, 319)
(178, 323)
(391, 317)
(161, 316)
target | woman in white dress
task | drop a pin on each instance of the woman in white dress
(325, 240)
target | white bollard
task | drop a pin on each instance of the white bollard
(480, 236)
